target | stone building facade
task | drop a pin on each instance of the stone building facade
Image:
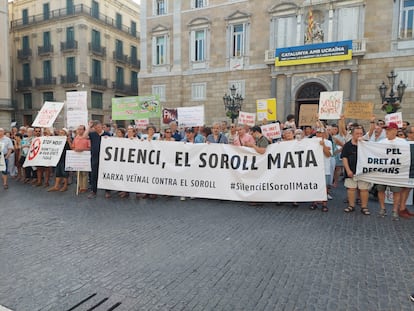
(73, 45)
(6, 107)
(192, 52)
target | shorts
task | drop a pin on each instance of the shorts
(328, 180)
(381, 188)
(354, 183)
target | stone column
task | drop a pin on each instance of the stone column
(335, 85)
(354, 85)
(273, 87)
(288, 97)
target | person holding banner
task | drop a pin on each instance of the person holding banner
(175, 133)
(216, 137)
(168, 135)
(29, 173)
(243, 138)
(405, 192)
(6, 151)
(391, 133)
(60, 173)
(81, 143)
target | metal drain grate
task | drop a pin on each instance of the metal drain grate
(101, 302)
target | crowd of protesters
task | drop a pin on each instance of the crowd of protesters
(338, 141)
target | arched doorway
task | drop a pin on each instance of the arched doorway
(308, 94)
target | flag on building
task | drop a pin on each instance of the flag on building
(309, 30)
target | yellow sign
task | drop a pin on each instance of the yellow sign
(359, 110)
(266, 109)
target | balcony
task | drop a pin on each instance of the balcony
(76, 11)
(97, 50)
(120, 58)
(24, 54)
(134, 63)
(124, 89)
(23, 85)
(69, 46)
(45, 50)
(69, 81)
(98, 83)
(45, 83)
(359, 48)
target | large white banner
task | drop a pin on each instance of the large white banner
(48, 114)
(388, 164)
(45, 151)
(78, 161)
(289, 171)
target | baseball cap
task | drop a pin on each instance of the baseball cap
(392, 125)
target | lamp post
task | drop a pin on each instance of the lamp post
(232, 103)
(391, 103)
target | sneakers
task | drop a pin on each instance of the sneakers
(329, 197)
(313, 206)
(394, 216)
(404, 214)
(92, 195)
(382, 213)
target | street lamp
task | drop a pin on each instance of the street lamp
(232, 103)
(391, 103)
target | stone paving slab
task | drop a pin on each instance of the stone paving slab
(164, 254)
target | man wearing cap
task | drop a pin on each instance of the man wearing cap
(391, 133)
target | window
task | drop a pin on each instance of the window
(160, 51)
(119, 77)
(285, 34)
(27, 101)
(48, 97)
(25, 16)
(47, 71)
(198, 91)
(70, 8)
(95, 9)
(160, 91)
(46, 11)
(71, 69)
(196, 4)
(26, 73)
(96, 100)
(96, 71)
(119, 48)
(160, 7)
(406, 19)
(198, 45)
(25, 43)
(46, 39)
(96, 40)
(133, 28)
(237, 40)
(349, 23)
(70, 37)
(134, 81)
(118, 21)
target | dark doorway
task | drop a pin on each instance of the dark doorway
(308, 94)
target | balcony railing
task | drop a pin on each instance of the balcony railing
(24, 53)
(98, 83)
(45, 50)
(136, 63)
(118, 57)
(359, 47)
(124, 88)
(79, 9)
(69, 46)
(24, 84)
(97, 49)
(45, 82)
(68, 81)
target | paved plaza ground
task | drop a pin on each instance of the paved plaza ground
(57, 249)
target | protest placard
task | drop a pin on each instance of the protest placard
(266, 109)
(330, 105)
(190, 116)
(394, 117)
(247, 118)
(76, 100)
(169, 114)
(308, 114)
(289, 171)
(47, 114)
(74, 118)
(358, 110)
(141, 123)
(271, 131)
(136, 107)
(45, 151)
(78, 161)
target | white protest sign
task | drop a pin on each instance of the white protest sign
(387, 163)
(271, 131)
(76, 100)
(45, 151)
(141, 123)
(291, 171)
(247, 118)
(2, 161)
(330, 105)
(394, 117)
(78, 161)
(48, 114)
(190, 116)
(74, 118)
